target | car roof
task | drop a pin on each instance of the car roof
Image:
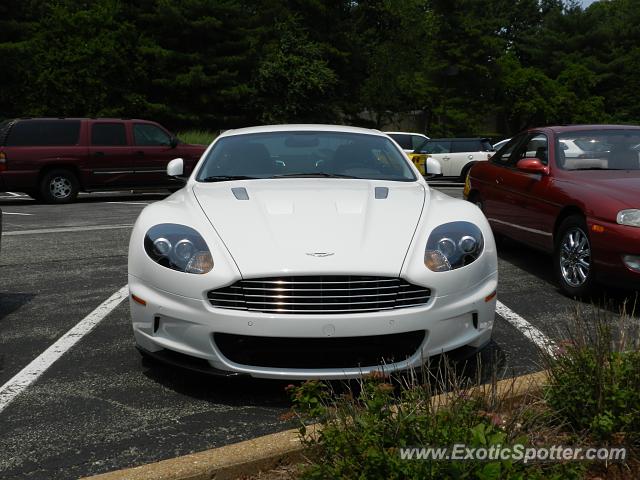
(301, 128)
(459, 139)
(405, 133)
(81, 118)
(576, 128)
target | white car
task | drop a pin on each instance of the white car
(410, 142)
(457, 155)
(499, 145)
(309, 251)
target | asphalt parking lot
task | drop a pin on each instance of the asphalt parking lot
(99, 407)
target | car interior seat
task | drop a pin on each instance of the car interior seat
(351, 156)
(251, 159)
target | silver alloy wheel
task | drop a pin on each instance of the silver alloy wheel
(575, 257)
(60, 187)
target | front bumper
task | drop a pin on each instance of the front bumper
(189, 326)
(610, 242)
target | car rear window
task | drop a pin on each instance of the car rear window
(108, 134)
(43, 133)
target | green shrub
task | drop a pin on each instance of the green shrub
(197, 137)
(595, 378)
(361, 434)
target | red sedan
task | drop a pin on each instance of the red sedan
(573, 191)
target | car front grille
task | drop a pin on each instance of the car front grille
(319, 294)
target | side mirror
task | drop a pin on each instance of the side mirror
(532, 165)
(175, 168)
(173, 143)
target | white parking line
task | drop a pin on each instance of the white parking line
(130, 203)
(29, 374)
(532, 333)
(66, 229)
(16, 213)
(13, 194)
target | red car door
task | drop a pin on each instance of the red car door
(523, 207)
(110, 160)
(496, 205)
(153, 149)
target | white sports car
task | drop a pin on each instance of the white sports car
(309, 251)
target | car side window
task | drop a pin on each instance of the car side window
(504, 156)
(416, 142)
(436, 146)
(108, 134)
(147, 135)
(536, 146)
(44, 133)
(460, 146)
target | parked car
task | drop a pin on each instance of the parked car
(309, 251)
(457, 155)
(409, 142)
(497, 146)
(53, 159)
(581, 205)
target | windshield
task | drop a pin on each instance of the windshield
(305, 154)
(599, 150)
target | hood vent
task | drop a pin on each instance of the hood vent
(382, 193)
(240, 193)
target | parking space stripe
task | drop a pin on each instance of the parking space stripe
(29, 374)
(66, 229)
(16, 213)
(130, 203)
(532, 333)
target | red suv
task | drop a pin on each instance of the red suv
(52, 159)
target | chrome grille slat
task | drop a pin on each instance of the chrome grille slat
(319, 295)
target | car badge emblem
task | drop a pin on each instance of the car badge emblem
(320, 254)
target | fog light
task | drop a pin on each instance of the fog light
(632, 262)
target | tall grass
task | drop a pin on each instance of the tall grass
(197, 137)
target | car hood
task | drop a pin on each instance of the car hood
(314, 226)
(621, 185)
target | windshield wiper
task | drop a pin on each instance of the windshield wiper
(313, 175)
(225, 178)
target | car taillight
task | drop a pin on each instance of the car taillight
(3, 162)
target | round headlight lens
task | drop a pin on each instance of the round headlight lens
(467, 244)
(162, 246)
(447, 247)
(184, 250)
(178, 247)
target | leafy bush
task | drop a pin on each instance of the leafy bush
(361, 433)
(595, 378)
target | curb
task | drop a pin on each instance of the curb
(262, 453)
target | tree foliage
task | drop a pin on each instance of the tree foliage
(462, 66)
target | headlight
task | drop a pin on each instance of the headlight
(453, 245)
(629, 217)
(178, 247)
